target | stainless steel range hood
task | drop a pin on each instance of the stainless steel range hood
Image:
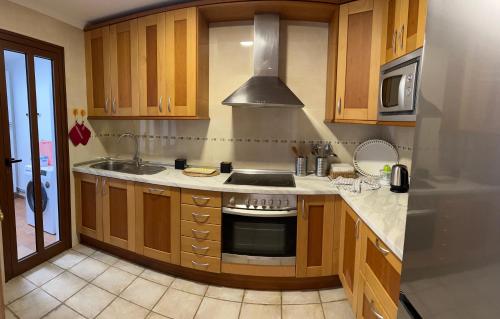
(265, 89)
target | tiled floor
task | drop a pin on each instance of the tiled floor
(84, 283)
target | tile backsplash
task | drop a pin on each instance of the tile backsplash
(253, 138)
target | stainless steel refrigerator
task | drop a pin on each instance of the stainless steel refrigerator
(451, 262)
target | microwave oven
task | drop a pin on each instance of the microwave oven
(399, 83)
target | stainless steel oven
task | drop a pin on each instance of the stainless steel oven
(259, 229)
(399, 82)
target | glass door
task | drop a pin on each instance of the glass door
(34, 155)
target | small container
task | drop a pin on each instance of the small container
(301, 166)
(321, 166)
(180, 163)
(226, 167)
(44, 161)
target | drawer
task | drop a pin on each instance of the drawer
(382, 269)
(369, 307)
(201, 198)
(201, 215)
(201, 232)
(200, 247)
(204, 263)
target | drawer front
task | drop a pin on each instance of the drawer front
(200, 247)
(197, 262)
(369, 307)
(201, 215)
(201, 198)
(200, 232)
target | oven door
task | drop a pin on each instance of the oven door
(259, 237)
(397, 90)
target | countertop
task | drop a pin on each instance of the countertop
(383, 211)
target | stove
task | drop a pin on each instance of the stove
(262, 179)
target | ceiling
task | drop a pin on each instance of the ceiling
(79, 12)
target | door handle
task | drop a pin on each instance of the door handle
(10, 161)
(1, 216)
(160, 105)
(168, 105)
(339, 105)
(402, 36)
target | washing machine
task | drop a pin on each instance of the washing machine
(50, 207)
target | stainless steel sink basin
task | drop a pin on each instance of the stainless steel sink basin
(129, 167)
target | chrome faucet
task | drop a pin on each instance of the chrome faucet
(137, 158)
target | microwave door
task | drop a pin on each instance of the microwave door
(401, 93)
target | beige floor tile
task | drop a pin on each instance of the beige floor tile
(189, 286)
(63, 312)
(154, 315)
(303, 311)
(252, 311)
(114, 280)
(36, 304)
(82, 249)
(338, 310)
(90, 301)
(17, 287)
(157, 277)
(43, 273)
(121, 308)
(64, 286)
(329, 295)
(9, 314)
(89, 269)
(105, 258)
(178, 304)
(300, 297)
(129, 267)
(144, 293)
(68, 259)
(262, 297)
(216, 308)
(230, 294)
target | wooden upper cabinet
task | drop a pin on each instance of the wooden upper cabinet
(349, 252)
(315, 225)
(89, 205)
(358, 66)
(97, 59)
(152, 65)
(118, 212)
(158, 222)
(124, 68)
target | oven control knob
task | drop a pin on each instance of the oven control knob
(279, 203)
(232, 201)
(271, 202)
(287, 203)
(263, 202)
(255, 203)
(247, 202)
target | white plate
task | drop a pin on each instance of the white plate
(371, 156)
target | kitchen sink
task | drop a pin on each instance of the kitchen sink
(129, 167)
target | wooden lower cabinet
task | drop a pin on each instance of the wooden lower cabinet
(88, 201)
(158, 222)
(315, 235)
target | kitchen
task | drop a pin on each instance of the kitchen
(242, 159)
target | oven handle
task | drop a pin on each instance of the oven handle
(259, 213)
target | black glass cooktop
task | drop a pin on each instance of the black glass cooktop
(260, 179)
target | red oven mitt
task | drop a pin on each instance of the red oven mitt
(85, 132)
(75, 135)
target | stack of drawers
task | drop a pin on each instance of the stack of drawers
(201, 230)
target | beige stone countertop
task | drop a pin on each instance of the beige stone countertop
(383, 211)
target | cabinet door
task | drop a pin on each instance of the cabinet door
(315, 235)
(368, 305)
(158, 222)
(152, 66)
(124, 68)
(118, 210)
(391, 24)
(412, 27)
(88, 202)
(349, 252)
(181, 62)
(97, 58)
(358, 67)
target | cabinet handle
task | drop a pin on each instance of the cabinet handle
(1, 216)
(194, 263)
(160, 105)
(203, 232)
(374, 312)
(113, 106)
(168, 105)
(106, 105)
(204, 249)
(394, 36)
(358, 221)
(155, 190)
(339, 105)
(197, 199)
(380, 248)
(402, 36)
(103, 189)
(305, 213)
(196, 217)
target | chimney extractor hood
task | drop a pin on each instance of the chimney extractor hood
(265, 89)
